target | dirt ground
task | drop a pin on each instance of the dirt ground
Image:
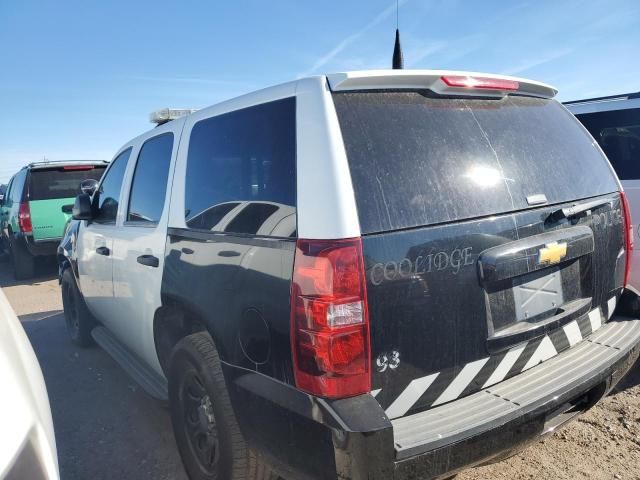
(604, 443)
(95, 403)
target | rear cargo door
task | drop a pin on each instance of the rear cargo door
(52, 188)
(492, 235)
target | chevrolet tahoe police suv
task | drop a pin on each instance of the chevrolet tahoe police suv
(378, 274)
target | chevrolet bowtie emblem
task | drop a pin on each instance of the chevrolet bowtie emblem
(552, 253)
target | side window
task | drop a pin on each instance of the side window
(244, 156)
(618, 133)
(109, 194)
(17, 186)
(149, 184)
(7, 193)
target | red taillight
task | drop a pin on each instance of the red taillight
(628, 237)
(464, 81)
(329, 318)
(24, 218)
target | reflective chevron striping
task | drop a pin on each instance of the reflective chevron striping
(505, 365)
(611, 306)
(545, 351)
(595, 318)
(517, 359)
(572, 331)
(410, 396)
(464, 378)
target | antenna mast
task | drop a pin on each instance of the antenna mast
(398, 59)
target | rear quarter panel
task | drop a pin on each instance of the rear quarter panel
(48, 219)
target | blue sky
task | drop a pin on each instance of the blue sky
(79, 78)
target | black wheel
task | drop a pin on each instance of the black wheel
(22, 261)
(204, 424)
(79, 320)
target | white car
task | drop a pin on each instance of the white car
(27, 441)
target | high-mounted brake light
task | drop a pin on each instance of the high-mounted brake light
(628, 236)
(329, 318)
(485, 83)
(78, 167)
(24, 218)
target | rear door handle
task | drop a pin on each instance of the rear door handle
(103, 251)
(149, 260)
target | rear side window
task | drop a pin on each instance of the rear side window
(416, 159)
(17, 186)
(61, 182)
(149, 184)
(618, 133)
(244, 156)
(109, 194)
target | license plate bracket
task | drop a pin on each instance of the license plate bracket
(539, 295)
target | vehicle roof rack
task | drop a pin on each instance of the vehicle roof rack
(623, 96)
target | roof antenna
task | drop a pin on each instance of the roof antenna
(398, 60)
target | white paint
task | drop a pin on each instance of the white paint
(505, 365)
(545, 351)
(410, 396)
(611, 306)
(374, 393)
(596, 319)
(462, 381)
(572, 330)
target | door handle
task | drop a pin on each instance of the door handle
(228, 253)
(149, 260)
(103, 251)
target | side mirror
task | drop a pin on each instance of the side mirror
(89, 186)
(68, 209)
(82, 208)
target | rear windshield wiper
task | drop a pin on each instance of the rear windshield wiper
(569, 212)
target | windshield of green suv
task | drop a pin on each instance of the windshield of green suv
(419, 159)
(61, 182)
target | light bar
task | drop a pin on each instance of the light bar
(165, 115)
(487, 83)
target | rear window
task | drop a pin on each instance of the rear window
(60, 182)
(416, 159)
(618, 133)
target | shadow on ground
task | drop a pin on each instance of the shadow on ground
(631, 380)
(106, 428)
(46, 269)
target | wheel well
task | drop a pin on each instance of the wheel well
(173, 322)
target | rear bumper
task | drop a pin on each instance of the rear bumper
(311, 438)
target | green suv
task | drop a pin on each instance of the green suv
(35, 209)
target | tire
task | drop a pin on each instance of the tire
(79, 320)
(202, 416)
(22, 261)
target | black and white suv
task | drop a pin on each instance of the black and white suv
(381, 274)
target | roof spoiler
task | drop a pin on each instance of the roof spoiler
(477, 84)
(59, 163)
